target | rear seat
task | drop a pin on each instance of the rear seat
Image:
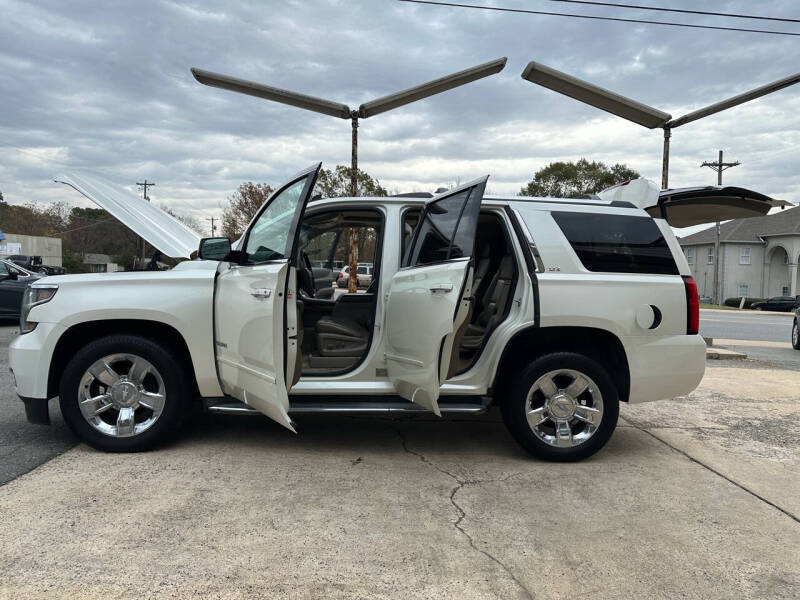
(491, 306)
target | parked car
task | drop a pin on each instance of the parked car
(778, 303)
(487, 306)
(34, 265)
(363, 274)
(13, 281)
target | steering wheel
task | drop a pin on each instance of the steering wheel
(305, 276)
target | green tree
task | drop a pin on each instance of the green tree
(576, 179)
(333, 183)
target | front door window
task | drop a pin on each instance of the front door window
(269, 237)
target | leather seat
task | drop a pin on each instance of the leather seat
(480, 281)
(493, 306)
(341, 336)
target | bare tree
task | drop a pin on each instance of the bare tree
(242, 207)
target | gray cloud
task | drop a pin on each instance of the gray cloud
(106, 86)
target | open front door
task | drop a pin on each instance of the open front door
(430, 296)
(255, 311)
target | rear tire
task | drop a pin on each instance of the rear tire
(124, 393)
(795, 335)
(563, 407)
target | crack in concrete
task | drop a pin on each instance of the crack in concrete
(460, 483)
(717, 473)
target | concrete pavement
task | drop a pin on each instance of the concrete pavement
(694, 498)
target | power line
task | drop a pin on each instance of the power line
(85, 226)
(680, 10)
(597, 18)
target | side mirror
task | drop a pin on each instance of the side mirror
(214, 248)
(13, 274)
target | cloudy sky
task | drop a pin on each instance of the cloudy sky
(106, 86)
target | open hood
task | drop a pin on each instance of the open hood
(684, 207)
(160, 229)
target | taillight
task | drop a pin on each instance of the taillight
(692, 306)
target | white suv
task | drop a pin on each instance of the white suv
(555, 310)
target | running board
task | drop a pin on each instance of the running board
(234, 407)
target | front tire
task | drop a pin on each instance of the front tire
(124, 393)
(795, 335)
(562, 407)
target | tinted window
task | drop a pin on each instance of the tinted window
(617, 243)
(448, 229)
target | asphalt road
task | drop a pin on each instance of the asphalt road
(735, 325)
(24, 446)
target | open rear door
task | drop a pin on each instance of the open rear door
(256, 324)
(430, 296)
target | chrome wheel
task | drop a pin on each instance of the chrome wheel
(564, 408)
(121, 395)
(795, 335)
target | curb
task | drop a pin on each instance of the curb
(722, 354)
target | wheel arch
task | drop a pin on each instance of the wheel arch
(82, 333)
(531, 343)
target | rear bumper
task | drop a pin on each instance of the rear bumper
(666, 367)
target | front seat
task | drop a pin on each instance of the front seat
(341, 336)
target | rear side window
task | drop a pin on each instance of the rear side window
(617, 243)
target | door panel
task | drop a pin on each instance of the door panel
(419, 318)
(429, 298)
(248, 336)
(256, 323)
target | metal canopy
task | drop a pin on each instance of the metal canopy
(259, 90)
(636, 111)
(736, 100)
(436, 86)
(596, 96)
(342, 111)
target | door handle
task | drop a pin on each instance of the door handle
(261, 293)
(442, 287)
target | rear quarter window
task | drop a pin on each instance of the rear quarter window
(617, 243)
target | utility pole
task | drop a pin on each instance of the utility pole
(213, 226)
(144, 185)
(719, 167)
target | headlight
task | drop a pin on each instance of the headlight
(34, 295)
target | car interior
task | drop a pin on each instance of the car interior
(336, 328)
(493, 285)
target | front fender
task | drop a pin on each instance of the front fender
(180, 299)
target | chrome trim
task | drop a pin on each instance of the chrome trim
(238, 408)
(529, 239)
(404, 359)
(252, 371)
